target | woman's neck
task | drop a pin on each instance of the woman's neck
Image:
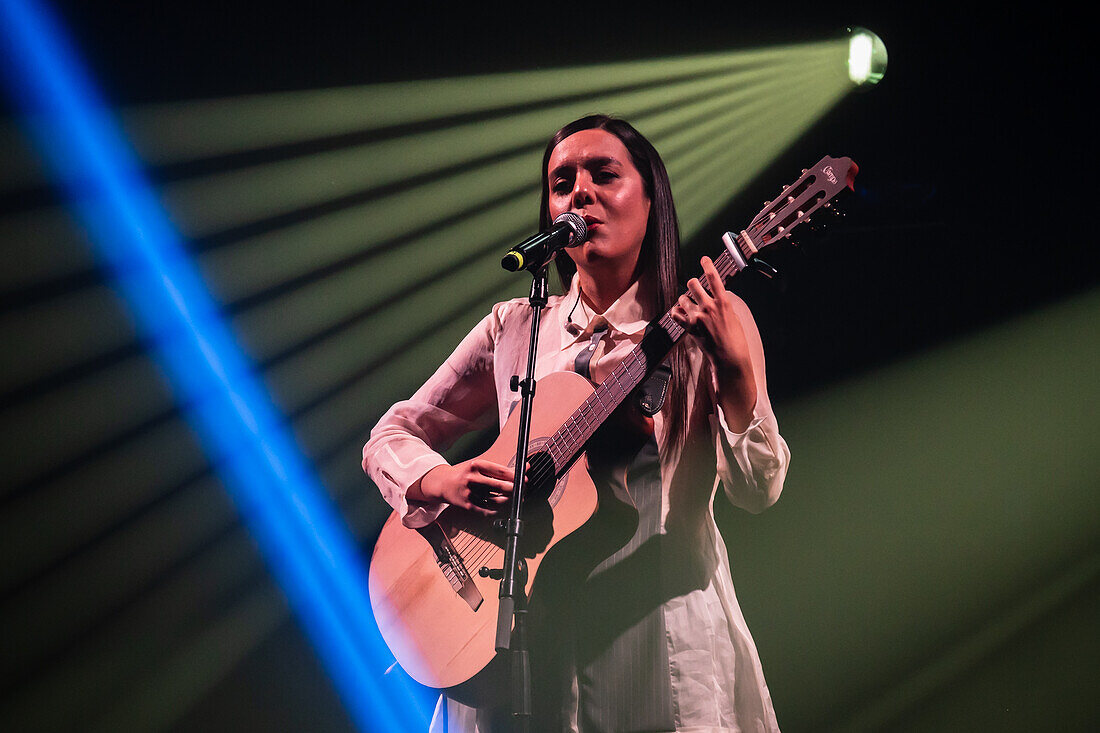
(600, 289)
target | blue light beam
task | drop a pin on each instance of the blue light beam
(306, 544)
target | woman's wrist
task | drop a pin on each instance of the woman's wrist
(425, 489)
(736, 394)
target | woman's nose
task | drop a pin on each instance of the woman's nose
(582, 191)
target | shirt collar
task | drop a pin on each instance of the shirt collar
(628, 315)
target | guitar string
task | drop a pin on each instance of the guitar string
(474, 551)
(474, 548)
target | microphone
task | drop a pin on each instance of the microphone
(568, 230)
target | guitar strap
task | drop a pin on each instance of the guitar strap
(650, 394)
(584, 359)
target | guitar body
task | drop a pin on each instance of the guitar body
(441, 630)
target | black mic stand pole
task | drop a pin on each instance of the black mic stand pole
(513, 585)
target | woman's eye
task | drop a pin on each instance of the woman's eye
(605, 176)
(561, 187)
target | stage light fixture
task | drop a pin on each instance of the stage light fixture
(866, 57)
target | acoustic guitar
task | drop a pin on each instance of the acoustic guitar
(433, 599)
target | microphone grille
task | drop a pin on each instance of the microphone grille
(576, 223)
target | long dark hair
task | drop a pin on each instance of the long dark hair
(660, 255)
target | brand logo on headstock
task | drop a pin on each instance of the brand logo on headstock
(828, 171)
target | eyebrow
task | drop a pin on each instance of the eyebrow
(596, 162)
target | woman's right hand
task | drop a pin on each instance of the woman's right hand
(476, 485)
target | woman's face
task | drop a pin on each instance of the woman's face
(592, 175)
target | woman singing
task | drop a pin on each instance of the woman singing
(650, 636)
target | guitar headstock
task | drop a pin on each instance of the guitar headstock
(795, 204)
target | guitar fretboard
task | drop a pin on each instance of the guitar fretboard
(663, 334)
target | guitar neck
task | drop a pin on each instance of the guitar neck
(663, 334)
(814, 189)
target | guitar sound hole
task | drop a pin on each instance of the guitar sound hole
(540, 478)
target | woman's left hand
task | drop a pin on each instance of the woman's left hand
(714, 319)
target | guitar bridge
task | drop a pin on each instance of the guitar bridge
(451, 565)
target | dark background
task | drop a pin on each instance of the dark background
(970, 209)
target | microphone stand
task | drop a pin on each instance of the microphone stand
(513, 584)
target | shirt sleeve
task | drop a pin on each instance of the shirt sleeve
(457, 399)
(751, 464)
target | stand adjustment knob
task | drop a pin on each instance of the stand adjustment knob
(491, 573)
